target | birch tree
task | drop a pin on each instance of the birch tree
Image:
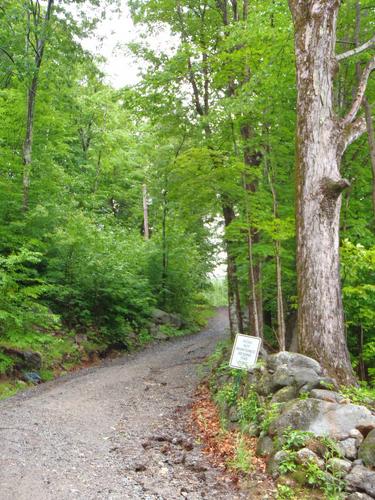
(322, 138)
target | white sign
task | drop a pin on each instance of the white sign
(245, 352)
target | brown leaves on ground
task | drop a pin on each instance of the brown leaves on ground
(221, 445)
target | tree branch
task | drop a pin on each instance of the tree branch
(370, 43)
(351, 133)
(7, 54)
(360, 93)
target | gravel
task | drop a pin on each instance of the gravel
(113, 432)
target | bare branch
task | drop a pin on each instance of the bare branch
(369, 44)
(360, 93)
(351, 133)
(7, 54)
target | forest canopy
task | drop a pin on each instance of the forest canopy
(118, 201)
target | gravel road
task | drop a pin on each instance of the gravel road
(113, 432)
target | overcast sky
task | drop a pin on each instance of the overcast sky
(110, 41)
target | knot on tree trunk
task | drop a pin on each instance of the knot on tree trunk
(333, 188)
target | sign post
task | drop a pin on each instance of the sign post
(245, 352)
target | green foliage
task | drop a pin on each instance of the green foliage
(226, 396)
(270, 413)
(21, 311)
(294, 439)
(249, 408)
(285, 492)
(242, 461)
(362, 395)
(6, 362)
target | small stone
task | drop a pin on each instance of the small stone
(179, 458)
(367, 450)
(357, 462)
(140, 466)
(361, 478)
(305, 455)
(348, 448)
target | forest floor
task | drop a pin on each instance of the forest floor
(119, 431)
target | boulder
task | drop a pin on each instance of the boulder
(359, 496)
(285, 394)
(275, 461)
(322, 418)
(32, 377)
(305, 455)
(293, 360)
(298, 377)
(361, 479)
(339, 466)
(367, 450)
(348, 448)
(160, 317)
(24, 359)
(265, 446)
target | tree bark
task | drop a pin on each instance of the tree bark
(319, 188)
(234, 300)
(255, 305)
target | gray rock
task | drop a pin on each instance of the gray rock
(299, 377)
(322, 418)
(305, 455)
(357, 462)
(285, 394)
(252, 429)
(264, 384)
(293, 360)
(348, 448)
(359, 496)
(24, 359)
(325, 395)
(367, 450)
(233, 414)
(265, 446)
(160, 317)
(362, 479)
(357, 435)
(32, 377)
(161, 336)
(339, 466)
(275, 461)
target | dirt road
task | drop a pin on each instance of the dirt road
(113, 432)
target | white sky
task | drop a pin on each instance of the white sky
(110, 40)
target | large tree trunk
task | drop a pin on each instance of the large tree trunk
(319, 188)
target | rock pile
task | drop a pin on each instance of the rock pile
(325, 412)
(307, 400)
